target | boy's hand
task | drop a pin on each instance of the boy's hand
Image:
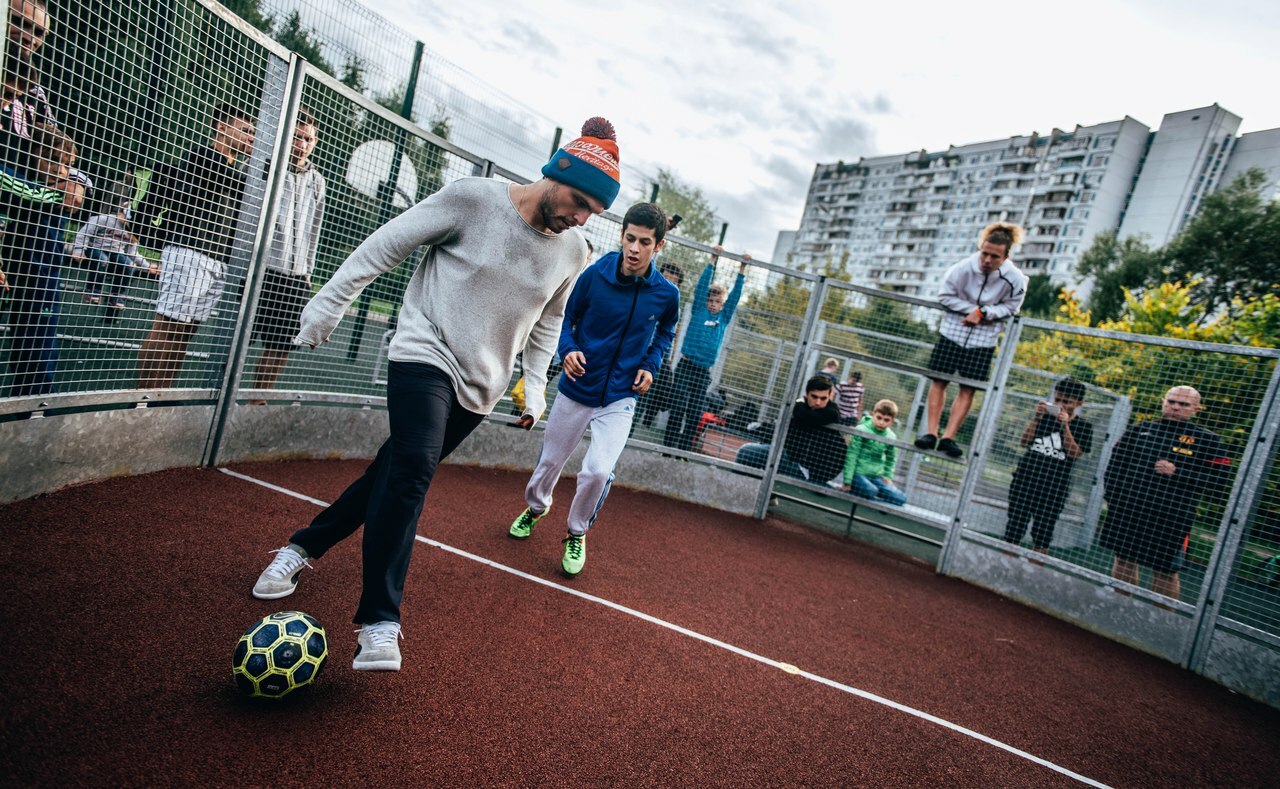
(575, 365)
(4, 283)
(973, 318)
(644, 379)
(527, 421)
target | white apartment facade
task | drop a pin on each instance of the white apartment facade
(898, 222)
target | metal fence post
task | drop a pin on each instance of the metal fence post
(1235, 524)
(1120, 415)
(992, 401)
(796, 381)
(387, 193)
(291, 98)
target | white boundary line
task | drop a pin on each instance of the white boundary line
(787, 667)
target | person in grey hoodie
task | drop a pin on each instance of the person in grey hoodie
(286, 282)
(979, 294)
(496, 278)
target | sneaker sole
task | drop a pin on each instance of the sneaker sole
(274, 595)
(568, 574)
(514, 536)
(378, 665)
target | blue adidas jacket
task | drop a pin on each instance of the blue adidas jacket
(621, 327)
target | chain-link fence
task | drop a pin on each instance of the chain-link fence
(1122, 481)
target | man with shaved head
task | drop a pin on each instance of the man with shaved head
(1153, 484)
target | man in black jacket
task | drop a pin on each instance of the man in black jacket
(194, 208)
(811, 451)
(1153, 484)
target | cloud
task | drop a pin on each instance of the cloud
(526, 39)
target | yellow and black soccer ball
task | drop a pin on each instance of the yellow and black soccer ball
(279, 654)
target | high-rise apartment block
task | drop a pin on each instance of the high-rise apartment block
(898, 222)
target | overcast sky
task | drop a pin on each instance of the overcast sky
(742, 99)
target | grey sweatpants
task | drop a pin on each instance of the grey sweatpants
(566, 425)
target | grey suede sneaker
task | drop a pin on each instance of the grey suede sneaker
(378, 648)
(281, 576)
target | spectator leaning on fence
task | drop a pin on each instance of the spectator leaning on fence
(810, 451)
(979, 293)
(33, 196)
(1055, 438)
(191, 209)
(711, 310)
(286, 280)
(1153, 483)
(502, 261)
(618, 324)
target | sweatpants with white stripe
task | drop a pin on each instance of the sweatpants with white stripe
(566, 425)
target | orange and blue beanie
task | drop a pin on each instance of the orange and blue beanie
(589, 163)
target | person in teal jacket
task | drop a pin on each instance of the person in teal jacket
(711, 311)
(869, 463)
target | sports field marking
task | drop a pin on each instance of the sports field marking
(787, 667)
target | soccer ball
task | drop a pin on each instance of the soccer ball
(279, 654)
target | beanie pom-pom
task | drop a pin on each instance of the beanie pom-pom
(599, 128)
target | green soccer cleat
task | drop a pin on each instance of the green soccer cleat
(522, 527)
(575, 554)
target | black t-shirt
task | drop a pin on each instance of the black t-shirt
(1046, 457)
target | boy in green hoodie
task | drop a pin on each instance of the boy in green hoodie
(869, 463)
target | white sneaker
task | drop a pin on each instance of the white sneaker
(281, 576)
(377, 648)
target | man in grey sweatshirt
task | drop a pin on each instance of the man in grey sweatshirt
(495, 280)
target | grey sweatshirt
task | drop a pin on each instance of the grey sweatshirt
(489, 285)
(965, 288)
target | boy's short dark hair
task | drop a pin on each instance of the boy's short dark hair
(305, 118)
(817, 383)
(672, 268)
(225, 113)
(1071, 388)
(647, 215)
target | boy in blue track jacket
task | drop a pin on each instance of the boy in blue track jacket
(619, 322)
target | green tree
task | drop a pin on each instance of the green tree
(699, 222)
(302, 40)
(251, 12)
(353, 74)
(1042, 297)
(1116, 266)
(1231, 247)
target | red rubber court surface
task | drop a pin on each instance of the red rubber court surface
(124, 600)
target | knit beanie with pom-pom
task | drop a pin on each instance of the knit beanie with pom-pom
(589, 163)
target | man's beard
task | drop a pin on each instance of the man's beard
(19, 67)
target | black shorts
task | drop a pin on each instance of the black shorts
(279, 309)
(1149, 540)
(951, 359)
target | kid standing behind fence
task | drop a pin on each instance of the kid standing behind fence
(1055, 437)
(32, 199)
(869, 463)
(110, 249)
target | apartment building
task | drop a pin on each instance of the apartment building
(899, 221)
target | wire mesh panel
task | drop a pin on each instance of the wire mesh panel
(1118, 454)
(361, 170)
(375, 57)
(1253, 591)
(135, 160)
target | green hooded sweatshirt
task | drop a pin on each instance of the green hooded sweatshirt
(866, 455)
